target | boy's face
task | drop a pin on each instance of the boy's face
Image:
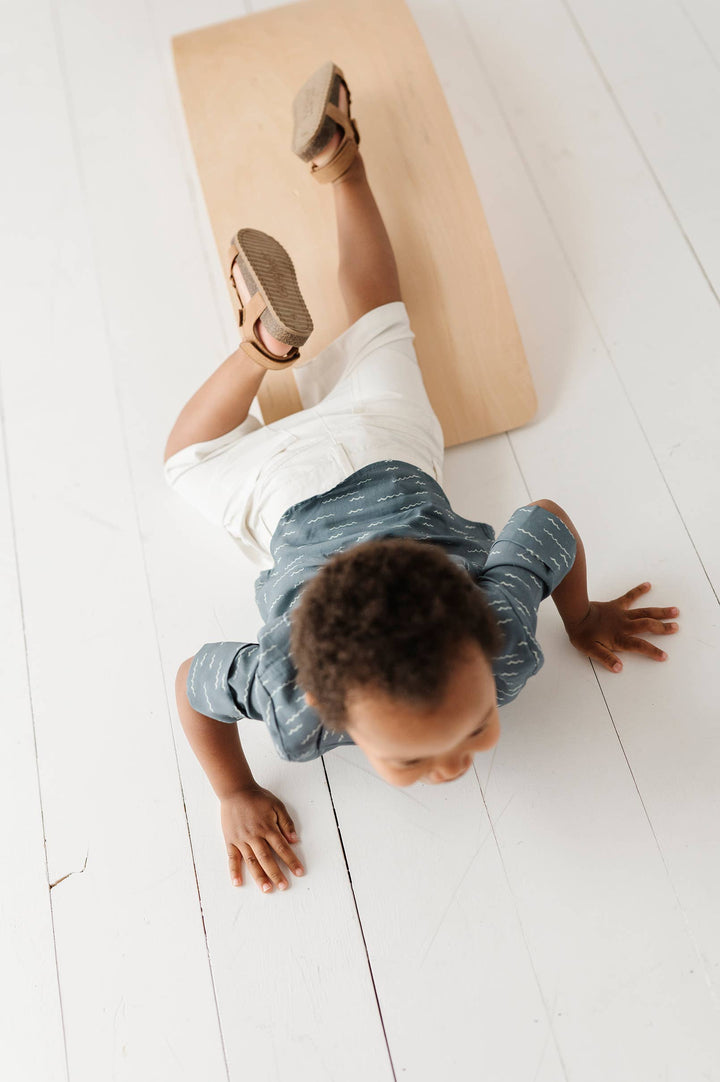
(406, 745)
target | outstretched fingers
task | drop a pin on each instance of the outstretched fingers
(654, 627)
(609, 660)
(637, 591)
(640, 646)
(654, 613)
(235, 861)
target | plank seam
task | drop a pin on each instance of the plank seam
(82, 185)
(548, 1013)
(698, 34)
(360, 926)
(631, 132)
(698, 953)
(31, 704)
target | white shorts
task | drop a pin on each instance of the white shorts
(363, 401)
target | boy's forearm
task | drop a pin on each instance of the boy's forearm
(571, 596)
(215, 743)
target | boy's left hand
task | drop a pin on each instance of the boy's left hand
(612, 625)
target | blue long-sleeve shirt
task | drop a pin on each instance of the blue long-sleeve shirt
(516, 571)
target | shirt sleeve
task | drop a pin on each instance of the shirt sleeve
(531, 556)
(535, 548)
(223, 682)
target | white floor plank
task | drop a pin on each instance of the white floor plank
(667, 87)
(116, 834)
(31, 1036)
(704, 17)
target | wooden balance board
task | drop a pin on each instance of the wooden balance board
(237, 83)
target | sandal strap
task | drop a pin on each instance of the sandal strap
(347, 148)
(341, 160)
(341, 118)
(256, 352)
(251, 345)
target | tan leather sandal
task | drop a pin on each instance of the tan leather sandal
(316, 114)
(275, 297)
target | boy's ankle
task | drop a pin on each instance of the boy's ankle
(355, 172)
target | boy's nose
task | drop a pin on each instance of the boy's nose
(439, 776)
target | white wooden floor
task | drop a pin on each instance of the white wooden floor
(553, 915)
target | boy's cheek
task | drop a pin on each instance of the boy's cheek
(402, 782)
(399, 779)
(490, 739)
(404, 778)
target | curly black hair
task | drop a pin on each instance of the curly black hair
(389, 614)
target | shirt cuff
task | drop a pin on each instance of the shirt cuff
(537, 540)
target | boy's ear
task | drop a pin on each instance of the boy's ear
(309, 699)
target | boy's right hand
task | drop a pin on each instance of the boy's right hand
(255, 822)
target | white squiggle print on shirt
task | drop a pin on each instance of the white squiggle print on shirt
(376, 489)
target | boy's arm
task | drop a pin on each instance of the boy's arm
(597, 628)
(215, 743)
(571, 596)
(256, 824)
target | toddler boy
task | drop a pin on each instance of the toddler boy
(389, 621)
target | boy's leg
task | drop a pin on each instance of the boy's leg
(367, 270)
(224, 399)
(368, 277)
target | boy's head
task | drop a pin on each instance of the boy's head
(393, 644)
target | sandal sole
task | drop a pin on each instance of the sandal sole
(313, 130)
(266, 267)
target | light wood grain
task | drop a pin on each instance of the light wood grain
(238, 104)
